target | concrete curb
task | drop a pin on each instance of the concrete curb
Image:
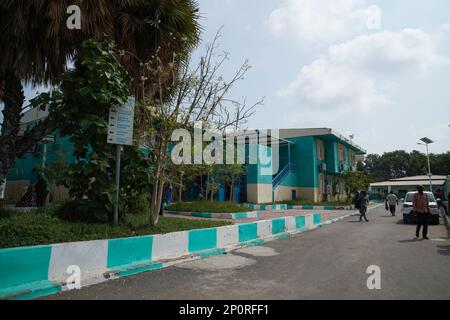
(330, 208)
(30, 272)
(232, 216)
(282, 207)
(266, 207)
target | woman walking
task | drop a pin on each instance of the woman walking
(364, 201)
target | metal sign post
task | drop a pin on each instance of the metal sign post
(120, 133)
(119, 148)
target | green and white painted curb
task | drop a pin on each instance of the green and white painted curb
(283, 207)
(306, 207)
(266, 207)
(232, 216)
(30, 272)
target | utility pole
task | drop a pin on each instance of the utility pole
(426, 141)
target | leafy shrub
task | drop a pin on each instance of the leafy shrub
(44, 227)
(207, 206)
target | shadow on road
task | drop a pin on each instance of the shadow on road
(411, 240)
(444, 250)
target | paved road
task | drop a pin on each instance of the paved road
(329, 263)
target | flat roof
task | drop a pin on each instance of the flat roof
(423, 177)
(306, 132)
(413, 181)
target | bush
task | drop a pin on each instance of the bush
(207, 206)
(44, 227)
(80, 211)
(321, 203)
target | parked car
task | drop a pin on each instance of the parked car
(410, 216)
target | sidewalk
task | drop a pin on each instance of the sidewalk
(326, 215)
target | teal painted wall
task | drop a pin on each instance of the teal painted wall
(291, 181)
(305, 157)
(260, 173)
(60, 150)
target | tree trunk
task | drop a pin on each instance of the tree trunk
(180, 190)
(158, 187)
(13, 100)
(157, 194)
(207, 187)
(232, 189)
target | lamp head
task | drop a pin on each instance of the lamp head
(426, 140)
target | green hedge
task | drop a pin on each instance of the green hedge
(44, 227)
(323, 203)
(207, 206)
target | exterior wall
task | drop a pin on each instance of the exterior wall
(305, 158)
(259, 193)
(15, 190)
(18, 177)
(260, 176)
(309, 194)
(285, 193)
(400, 191)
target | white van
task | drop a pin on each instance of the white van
(410, 216)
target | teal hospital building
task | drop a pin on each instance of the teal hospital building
(310, 165)
(302, 164)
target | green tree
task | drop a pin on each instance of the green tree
(82, 106)
(355, 181)
(398, 164)
(198, 94)
(36, 46)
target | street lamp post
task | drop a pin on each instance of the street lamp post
(426, 141)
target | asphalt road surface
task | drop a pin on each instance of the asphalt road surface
(328, 263)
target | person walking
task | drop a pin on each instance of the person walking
(448, 203)
(440, 198)
(392, 202)
(356, 200)
(363, 202)
(421, 207)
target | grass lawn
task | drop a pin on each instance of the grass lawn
(43, 227)
(207, 206)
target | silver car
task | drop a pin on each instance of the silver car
(410, 216)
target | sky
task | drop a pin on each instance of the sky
(379, 70)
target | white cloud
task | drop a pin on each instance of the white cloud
(323, 21)
(355, 75)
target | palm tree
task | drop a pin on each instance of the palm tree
(36, 47)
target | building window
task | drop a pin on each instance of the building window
(341, 154)
(320, 149)
(322, 188)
